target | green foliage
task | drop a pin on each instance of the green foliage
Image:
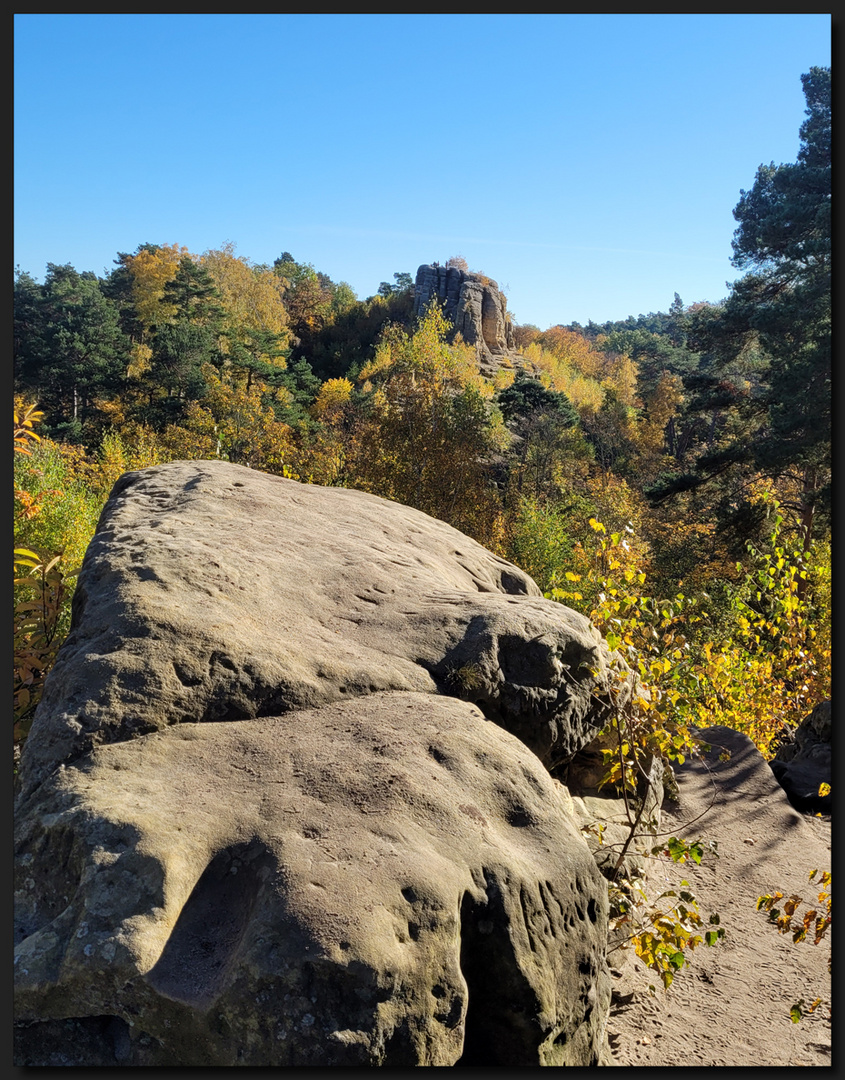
(55, 510)
(770, 668)
(342, 345)
(69, 347)
(780, 313)
(40, 593)
(465, 679)
(665, 929)
(773, 664)
(542, 536)
(404, 283)
(525, 398)
(52, 528)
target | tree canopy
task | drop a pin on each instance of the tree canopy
(776, 323)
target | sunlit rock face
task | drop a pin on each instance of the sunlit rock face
(473, 305)
(212, 592)
(391, 880)
(256, 824)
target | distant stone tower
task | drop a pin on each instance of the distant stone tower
(473, 305)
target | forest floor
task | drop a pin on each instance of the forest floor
(730, 1005)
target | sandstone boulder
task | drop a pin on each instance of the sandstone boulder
(212, 592)
(387, 881)
(805, 763)
(256, 826)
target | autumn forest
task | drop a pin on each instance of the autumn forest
(668, 475)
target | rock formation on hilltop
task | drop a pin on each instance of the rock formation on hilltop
(256, 824)
(473, 305)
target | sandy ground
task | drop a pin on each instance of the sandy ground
(730, 1005)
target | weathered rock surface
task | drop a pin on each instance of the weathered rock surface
(211, 592)
(473, 305)
(805, 763)
(386, 881)
(255, 824)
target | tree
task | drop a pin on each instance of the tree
(524, 334)
(70, 348)
(610, 432)
(656, 436)
(307, 294)
(781, 310)
(241, 427)
(186, 336)
(191, 296)
(525, 397)
(425, 428)
(404, 283)
(547, 434)
(150, 269)
(255, 330)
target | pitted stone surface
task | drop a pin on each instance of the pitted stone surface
(386, 881)
(212, 592)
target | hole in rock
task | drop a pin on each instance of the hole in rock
(501, 1020)
(195, 962)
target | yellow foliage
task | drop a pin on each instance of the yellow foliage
(332, 400)
(140, 360)
(425, 428)
(251, 297)
(661, 406)
(232, 423)
(192, 443)
(557, 373)
(151, 271)
(574, 351)
(770, 667)
(621, 378)
(25, 417)
(134, 446)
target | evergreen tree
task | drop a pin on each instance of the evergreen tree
(779, 313)
(186, 337)
(70, 349)
(525, 397)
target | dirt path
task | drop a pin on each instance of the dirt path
(731, 1005)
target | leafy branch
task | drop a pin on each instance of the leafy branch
(811, 924)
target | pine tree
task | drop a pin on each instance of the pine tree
(779, 316)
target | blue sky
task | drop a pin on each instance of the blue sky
(588, 163)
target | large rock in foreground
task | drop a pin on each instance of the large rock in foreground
(211, 592)
(387, 881)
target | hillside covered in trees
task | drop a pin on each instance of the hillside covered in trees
(668, 475)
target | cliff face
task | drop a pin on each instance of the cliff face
(473, 305)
